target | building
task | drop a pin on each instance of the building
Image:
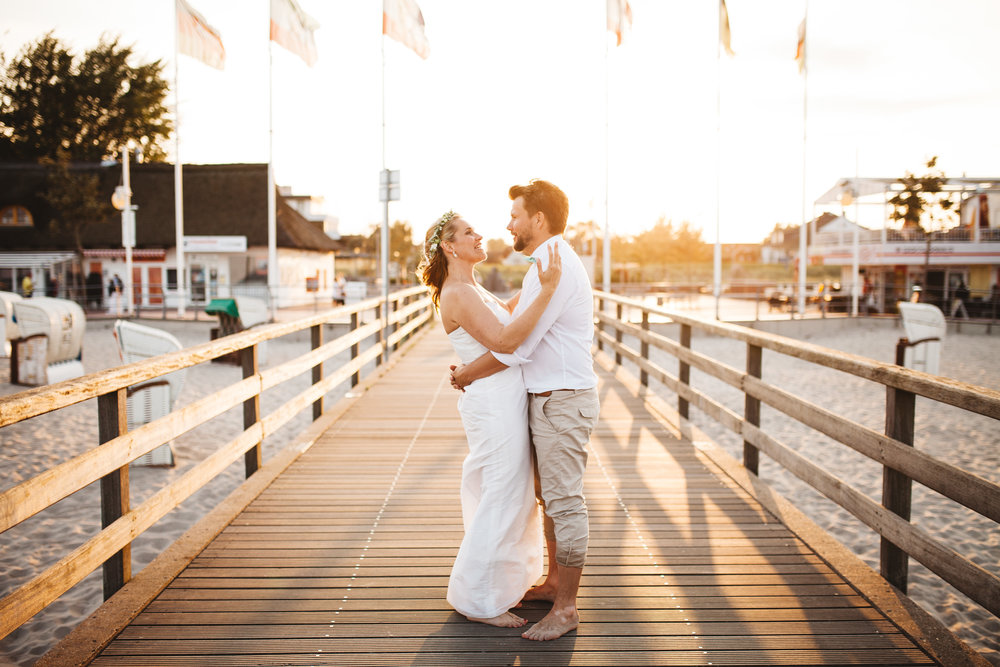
(892, 262)
(225, 237)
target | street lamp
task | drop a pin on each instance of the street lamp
(122, 200)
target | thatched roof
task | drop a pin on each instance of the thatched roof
(219, 200)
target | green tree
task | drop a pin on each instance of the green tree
(922, 205)
(57, 106)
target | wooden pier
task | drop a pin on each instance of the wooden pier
(344, 558)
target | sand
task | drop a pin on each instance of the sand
(966, 440)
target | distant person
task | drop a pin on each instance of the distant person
(339, 291)
(52, 286)
(27, 287)
(961, 296)
(115, 290)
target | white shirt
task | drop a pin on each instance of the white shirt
(556, 354)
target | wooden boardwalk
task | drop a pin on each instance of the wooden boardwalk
(344, 559)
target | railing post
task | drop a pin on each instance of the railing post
(395, 324)
(644, 350)
(380, 337)
(600, 309)
(751, 408)
(316, 334)
(684, 371)
(897, 487)
(618, 333)
(356, 378)
(252, 458)
(112, 422)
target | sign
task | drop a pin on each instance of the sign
(194, 244)
(388, 185)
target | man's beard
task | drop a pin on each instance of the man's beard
(520, 243)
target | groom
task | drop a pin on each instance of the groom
(563, 405)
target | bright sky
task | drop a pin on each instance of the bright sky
(515, 90)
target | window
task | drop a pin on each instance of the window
(172, 279)
(16, 216)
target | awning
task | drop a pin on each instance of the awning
(119, 253)
(34, 260)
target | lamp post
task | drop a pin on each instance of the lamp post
(122, 200)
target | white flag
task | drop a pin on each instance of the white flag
(619, 18)
(196, 38)
(293, 29)
(725, 38)
(403, 21)
(800, 49)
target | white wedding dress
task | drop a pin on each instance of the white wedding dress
(501, 553)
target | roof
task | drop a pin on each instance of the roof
(219, 200)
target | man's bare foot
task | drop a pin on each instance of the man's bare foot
(544, 591)
(555, 624)
(504, 620)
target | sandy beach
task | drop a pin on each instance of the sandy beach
(966, 440)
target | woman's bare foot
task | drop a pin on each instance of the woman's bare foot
(544, 591)
(504, 620)
(555, 624)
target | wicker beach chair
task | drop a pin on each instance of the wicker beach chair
(151, 400)
(8, 327)
(925, 327)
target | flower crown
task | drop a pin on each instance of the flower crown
(435, 241)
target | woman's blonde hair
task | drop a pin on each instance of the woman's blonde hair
(433, 268)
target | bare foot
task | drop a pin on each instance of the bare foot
(544, 591)
(504, 620)
(555, 624)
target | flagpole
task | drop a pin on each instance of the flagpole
(384, 258)
(803, 230)
(272, 223)
(717, 250)
(606, 255)
(178, 175)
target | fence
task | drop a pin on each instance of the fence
(109, 462)
(901, 462)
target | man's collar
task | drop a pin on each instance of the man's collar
(539, 252)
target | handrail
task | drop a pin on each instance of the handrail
(893, 449)
(109, 461)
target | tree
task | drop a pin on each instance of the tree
(923, 206)
(402, 250)
(77, 200)
(56, 106)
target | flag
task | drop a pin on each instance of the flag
(293, 29)
(196, 38)
(619, 18)
(402, 20)
(800, 50)
(724, 35)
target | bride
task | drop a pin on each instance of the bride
(501, 553)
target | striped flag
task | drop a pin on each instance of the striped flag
(725, 38)
(403, 21)
(619, 18)
(196, 38)
(800, 50)
(293, 29)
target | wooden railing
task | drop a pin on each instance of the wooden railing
(901, 462)
(109, 461)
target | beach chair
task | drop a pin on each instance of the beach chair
(151, 400)
(925, 327)
(8, 327)
(238, 314)
(49, 345)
